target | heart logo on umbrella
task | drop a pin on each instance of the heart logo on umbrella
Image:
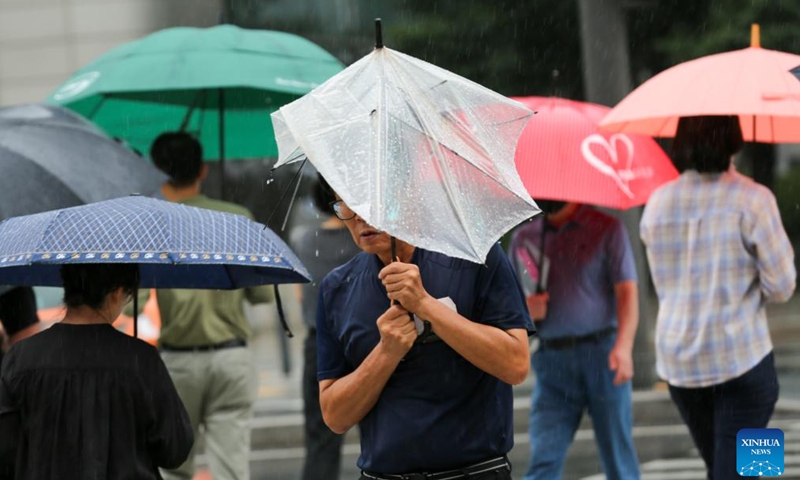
(608, 170)
(621, 176)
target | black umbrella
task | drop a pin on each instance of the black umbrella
(51, 158)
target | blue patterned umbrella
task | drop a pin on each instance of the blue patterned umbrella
(176, 246)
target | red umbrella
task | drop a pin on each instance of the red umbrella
(562, 155)
(753, 83)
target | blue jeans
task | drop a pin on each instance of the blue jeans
(569, 381)
(715, 414)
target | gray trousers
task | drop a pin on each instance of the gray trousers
(218, 389)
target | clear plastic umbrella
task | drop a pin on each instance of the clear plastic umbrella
(414, 150)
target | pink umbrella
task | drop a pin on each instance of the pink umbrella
(753, 83)
(562, 155)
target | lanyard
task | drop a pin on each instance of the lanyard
(540, 263)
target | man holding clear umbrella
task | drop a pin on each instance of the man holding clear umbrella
(421, 353)
(418, 154)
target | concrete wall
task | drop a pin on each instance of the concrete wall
(42, 42)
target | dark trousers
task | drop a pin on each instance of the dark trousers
(323, 447)
(715, 414)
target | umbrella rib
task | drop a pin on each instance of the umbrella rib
(460, 216)
(97, 107)
(413, 99)
(463, 219)
(200, 97)
(737, 83)
(480, 125)
(477, 167)
(382, 122)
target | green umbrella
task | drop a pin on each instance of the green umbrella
(220, 84)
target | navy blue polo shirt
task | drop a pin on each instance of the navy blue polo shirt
(437, 411)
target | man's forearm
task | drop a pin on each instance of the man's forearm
(627, 295)
(503, 354)
(347, 400)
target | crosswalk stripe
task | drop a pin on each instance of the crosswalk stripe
(692, 467)
(672, 463)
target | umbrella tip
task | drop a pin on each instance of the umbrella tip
(378, 34)
(755, 36)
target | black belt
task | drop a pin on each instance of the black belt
(478, 468)
(570, 342)
(236, 342)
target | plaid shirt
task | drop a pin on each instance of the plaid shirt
(718, 252)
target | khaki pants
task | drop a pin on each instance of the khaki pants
(218, 389)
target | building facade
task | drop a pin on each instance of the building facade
(42, 42)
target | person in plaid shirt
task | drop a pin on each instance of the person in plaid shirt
(718, 252)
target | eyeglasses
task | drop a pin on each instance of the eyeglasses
(342, 210)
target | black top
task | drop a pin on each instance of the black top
(92, 403)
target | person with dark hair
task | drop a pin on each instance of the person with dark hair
(577, 270)
(180, 156)
(18, 314)
(204, 333)
(90, 284)
(718, 253)
(19, 320)
(83, 400)
(321, 248)
(706, 143)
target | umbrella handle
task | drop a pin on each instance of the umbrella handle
(136, 313)
(425, 323)
(281, 314)
(286, 359)
(543, 236)
(393, 243)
